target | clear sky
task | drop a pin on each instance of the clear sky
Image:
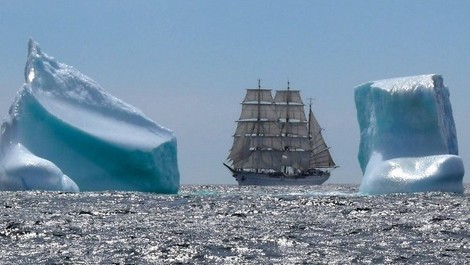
(186, 64)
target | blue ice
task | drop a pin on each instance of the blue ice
(408, 136)
(64, 132)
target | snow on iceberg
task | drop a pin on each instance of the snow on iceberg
(64, 132)
(408, 137)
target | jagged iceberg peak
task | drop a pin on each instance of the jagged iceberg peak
(61, 88)
(409, 83)
(43, 74)
(64, 132)
(408, 136)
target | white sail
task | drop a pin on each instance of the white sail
(266, 142)
(297, 160)
(254, 135)
(296, 143)
(240, 149)
(268, 128)
(322, 159)
(258, 112)
(258, 95)
(291, 96)
(289, 105)
(260, 159)
(288, 112)
(294, 131)
(273, 134)
(295, 128)
(321, 156)
(256, 140)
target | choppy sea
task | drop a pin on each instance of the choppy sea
(224, 224)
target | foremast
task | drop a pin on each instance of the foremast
(257, 143)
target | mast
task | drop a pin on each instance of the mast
(310, 118)
(258, 117)
(287, 131)
(287, 103)
(258, 163)
(257, 143)
(294, 132)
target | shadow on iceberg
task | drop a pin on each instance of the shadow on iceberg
(62, 124)
(408, 137)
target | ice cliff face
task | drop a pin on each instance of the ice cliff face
(64, 132)
(408, 137)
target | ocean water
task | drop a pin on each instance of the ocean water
(224, 224)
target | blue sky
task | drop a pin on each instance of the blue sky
(186, 64)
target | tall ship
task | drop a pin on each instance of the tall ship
(276, 144)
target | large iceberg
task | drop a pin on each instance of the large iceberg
(408, 137)
(64, 132)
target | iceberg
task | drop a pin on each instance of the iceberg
(408, 136)
(63, 132)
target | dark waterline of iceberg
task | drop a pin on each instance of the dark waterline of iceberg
(225, 224)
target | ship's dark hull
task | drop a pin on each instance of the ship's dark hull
(245, 178)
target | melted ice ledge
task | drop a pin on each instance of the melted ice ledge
(408, 136)
(64, 132)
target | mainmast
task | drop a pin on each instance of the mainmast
(259, 106)
(310, 113)
(257, 147)
(294, 133)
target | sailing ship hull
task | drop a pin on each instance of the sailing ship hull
(274, 134)
(262, 179)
